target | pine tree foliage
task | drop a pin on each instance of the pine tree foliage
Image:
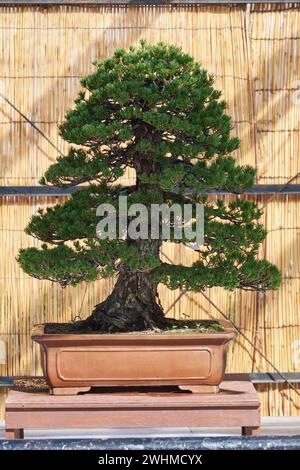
(153, 109)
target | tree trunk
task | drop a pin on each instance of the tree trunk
(133, 305)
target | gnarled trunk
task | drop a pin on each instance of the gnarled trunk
(133, 305)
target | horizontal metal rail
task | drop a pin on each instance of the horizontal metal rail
(259, 189)
(273, 377)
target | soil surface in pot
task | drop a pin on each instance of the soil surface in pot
(173, 326)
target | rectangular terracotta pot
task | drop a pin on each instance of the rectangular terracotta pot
(76, 362)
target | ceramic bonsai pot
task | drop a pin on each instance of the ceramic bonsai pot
(74, 363)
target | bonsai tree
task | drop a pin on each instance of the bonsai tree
(153, 109)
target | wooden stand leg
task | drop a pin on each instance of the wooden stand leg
(14, 434)
(250, 431)
(69, 390)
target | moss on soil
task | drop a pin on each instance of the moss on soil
(173, 326)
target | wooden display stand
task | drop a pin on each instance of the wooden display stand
(237, 404)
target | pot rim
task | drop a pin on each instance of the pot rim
(39, 335)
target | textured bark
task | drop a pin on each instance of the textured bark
(133, 305)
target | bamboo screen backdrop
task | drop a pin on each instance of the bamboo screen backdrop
(254, 53)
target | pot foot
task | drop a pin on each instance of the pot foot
(200, 388)
(68, 390)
